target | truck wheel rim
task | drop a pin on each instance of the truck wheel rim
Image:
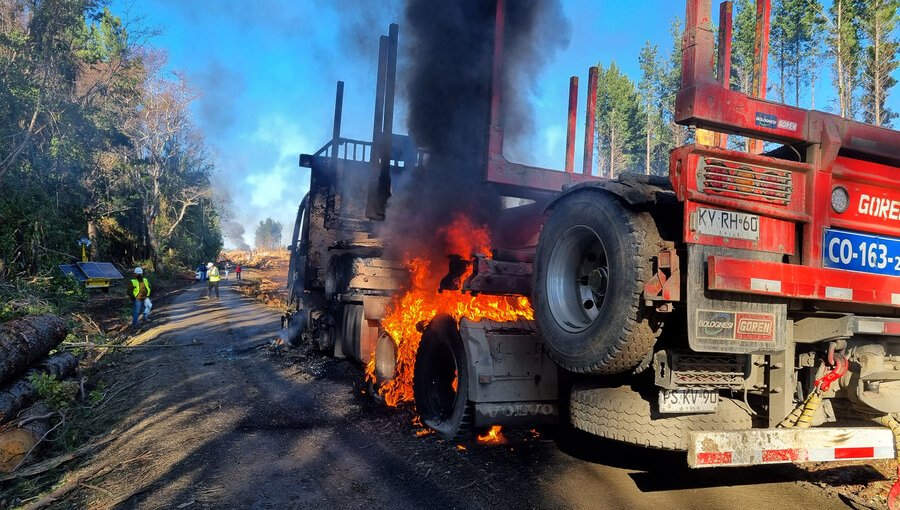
(577, 277)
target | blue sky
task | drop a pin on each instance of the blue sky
(266, 73)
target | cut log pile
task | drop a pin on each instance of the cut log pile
(23, 342)
(24, 347)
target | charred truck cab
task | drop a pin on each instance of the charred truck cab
(338, 278)
(744, 309)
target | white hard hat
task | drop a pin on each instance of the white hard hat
(138, 270)
(209, 264)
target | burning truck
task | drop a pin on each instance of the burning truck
(744, 309)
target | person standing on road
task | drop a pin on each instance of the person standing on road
(237, 272)
(139, 292)
(213, 272)
(202, 270)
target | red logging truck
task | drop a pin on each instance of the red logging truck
(744, 309)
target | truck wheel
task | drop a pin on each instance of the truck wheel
(358, 336)
(351, 320)
(622, 414)
(592, 260)
(441, 381)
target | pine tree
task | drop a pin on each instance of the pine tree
(650, 88)
(792, 40)
(670, 76)
(268, 234)
(844, 35)
(742, 45)
(619, 120)
(879, 22)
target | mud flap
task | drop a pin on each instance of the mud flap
(729, 322)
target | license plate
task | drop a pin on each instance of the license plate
(715, 222)
(861, 252)
(688, 401)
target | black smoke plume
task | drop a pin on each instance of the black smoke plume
(234, 231)
(448, 70)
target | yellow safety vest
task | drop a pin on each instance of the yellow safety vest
(136, 287)
(214, 274)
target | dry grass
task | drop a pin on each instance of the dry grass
(265, 275)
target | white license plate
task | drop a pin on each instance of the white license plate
(715, 222)
(688, 401)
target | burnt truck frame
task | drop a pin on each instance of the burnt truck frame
(721, 311)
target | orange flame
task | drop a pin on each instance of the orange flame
(493, 436)
(422, 302)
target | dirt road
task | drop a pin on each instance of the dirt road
(217, 420)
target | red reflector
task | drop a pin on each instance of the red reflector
(854, 453)
(785, 455)
(714, 458)
(892, 328)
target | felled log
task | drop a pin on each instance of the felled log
(21, 392)
(19, 438)
(25, 341)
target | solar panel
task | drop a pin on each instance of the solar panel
(73, 271)
(100, 270)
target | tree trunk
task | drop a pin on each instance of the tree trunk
(647, 169)
(92, 235)
(25, 341)
(17, 441)
(21, 393)
(877, 74)
(839, 61)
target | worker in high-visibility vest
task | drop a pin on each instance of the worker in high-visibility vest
(212, 272)
(139, 292)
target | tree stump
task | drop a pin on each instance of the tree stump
(20, 437)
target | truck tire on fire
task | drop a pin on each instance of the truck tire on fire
(441, 359)
(622, 414)
(592, 260)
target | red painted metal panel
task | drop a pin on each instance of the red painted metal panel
(723, 71)
(710, 106)
(775, 236)
(803, 282)
(590, 119)
(684, 163)
(708, 458)
(785, 455)
(499, 170)
(570, 125)
(854, 453)
(874, 193)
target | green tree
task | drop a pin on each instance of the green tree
(879, 23)
(794, 25)
(845, 46)
(650, 88)
(76, 132)
(670, 76)
(743, 45)
(268, 234)
(619, 121)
